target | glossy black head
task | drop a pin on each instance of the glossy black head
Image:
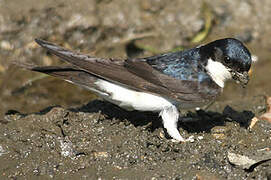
(232, 54)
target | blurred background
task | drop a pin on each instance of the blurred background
(122, 29)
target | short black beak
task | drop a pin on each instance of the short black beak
(241, 78)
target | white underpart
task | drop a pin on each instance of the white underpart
(218, 72)
(141, 101)
(130, 99)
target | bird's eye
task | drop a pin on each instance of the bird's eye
(227, 60)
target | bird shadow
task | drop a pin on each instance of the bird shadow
(204, 121)
(199, 121)
(192, 122)
(111, 111)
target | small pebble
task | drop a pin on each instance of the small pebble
(219, 132)
(253, 122)
(267, 116)
(6, 45)
(100, 154)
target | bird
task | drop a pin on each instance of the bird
(164, 83)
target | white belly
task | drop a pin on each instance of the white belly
(130, 99)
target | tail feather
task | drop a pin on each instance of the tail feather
(68, 73)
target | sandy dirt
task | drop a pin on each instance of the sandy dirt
(52, 129)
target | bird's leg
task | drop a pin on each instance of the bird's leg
(170, 116)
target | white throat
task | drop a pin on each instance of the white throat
(218, 72)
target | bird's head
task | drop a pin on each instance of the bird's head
(227, 59)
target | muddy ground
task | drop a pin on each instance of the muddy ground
(51, 129)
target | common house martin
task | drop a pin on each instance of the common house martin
(163, 83)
